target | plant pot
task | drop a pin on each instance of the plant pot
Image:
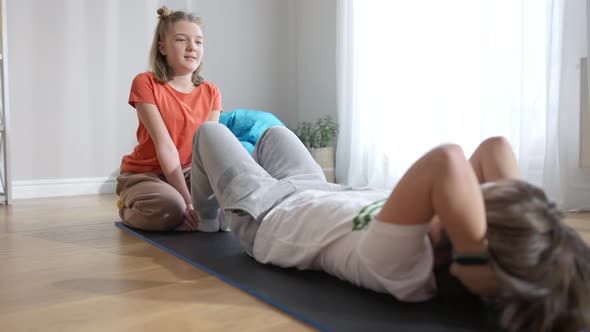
(325, 157)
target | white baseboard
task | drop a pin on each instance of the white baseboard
(62, 187)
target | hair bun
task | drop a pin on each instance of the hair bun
(164, 12)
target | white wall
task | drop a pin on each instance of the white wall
(316, 58)
(72, 62)
(574, 181)
(249, 53)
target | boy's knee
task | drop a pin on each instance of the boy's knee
(278, 129)
(275, 132)
(206, 129)
(207, 126)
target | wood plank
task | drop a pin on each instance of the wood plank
(66, 267)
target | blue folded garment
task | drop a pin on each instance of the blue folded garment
(248, 125)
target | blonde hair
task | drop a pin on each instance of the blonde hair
(543, 264)
(158, 65)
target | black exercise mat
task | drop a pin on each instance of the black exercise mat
(319, 299)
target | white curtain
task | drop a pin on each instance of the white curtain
(415, 74)
(564, 178)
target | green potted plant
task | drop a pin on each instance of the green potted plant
(319, 138)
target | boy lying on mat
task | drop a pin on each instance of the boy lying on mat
(509, 242)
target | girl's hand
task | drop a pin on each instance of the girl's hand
(191, 221)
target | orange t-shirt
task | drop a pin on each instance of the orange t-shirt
(182, 113)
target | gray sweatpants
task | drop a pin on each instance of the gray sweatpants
(247, 186)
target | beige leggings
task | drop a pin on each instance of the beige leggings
(148, 202)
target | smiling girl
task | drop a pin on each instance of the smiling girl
(172, 101)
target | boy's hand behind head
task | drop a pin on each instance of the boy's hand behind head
(479, 279)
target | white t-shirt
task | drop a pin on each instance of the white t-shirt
(308, 226)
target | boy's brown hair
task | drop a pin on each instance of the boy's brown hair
(543, 264)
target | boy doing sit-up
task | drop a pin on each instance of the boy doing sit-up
(509, 242)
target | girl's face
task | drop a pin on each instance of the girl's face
(183, 47)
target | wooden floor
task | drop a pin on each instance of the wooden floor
(66, 267)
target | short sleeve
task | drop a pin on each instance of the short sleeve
(216, 99)
(142, 90)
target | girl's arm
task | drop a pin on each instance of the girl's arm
(167, 156)
(214, 116)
